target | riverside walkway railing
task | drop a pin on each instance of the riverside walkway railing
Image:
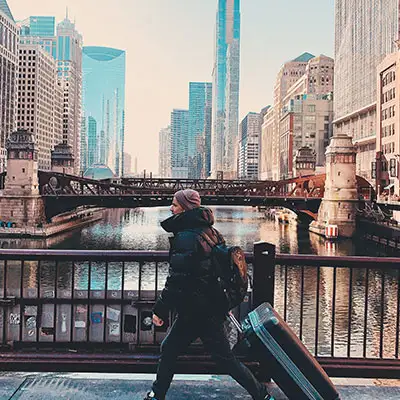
(91, 310)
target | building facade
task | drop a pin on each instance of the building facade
(249, 145)
(39, 30)
(200, 121)
(306, 122)
(365, 32)
(288, 75)
(127, 164)
(226, 73)
(69, 64)
(39, 100)
(8, 78)
(164, 153)
(303, 84)
(179, 143)
(266, 144)
(104, 101)
(386, 166)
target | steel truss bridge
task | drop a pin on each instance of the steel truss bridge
(303, 195)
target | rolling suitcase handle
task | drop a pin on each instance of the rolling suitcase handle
(235, 322)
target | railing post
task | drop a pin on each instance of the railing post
(263, 273)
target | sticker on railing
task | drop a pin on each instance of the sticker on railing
(113, 314)
(15, 319)
(80, 324)
(96, 317)
(114, 329)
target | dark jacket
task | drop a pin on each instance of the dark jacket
(191, 287)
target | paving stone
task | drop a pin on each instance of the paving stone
(133, 387)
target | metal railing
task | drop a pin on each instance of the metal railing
(91, 310)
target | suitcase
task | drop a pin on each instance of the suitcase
(280, 351)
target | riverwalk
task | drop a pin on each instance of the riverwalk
(93, 386)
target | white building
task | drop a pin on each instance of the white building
(364, 33)
(164, 153)
(386, 167)
(249, 144)
(8, 78)
(40, 100)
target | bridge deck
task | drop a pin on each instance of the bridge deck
(134, 386)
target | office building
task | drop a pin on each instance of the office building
(104, 102)
(69, 64)
(199, 138)
(365, 32)
(164, 153)
(8, 78)
(249, 145)
(179, 143)
(226, 74)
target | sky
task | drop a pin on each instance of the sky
(169, 43)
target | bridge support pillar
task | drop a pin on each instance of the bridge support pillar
(338, 207)
(21, 203)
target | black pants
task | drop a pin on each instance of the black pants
(211, 332)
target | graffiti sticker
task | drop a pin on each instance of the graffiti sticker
(96, 317)
(15, 319)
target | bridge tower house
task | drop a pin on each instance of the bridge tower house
(21, 202)
(338, 207)
(62, 159)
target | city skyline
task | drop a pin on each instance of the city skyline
(160, 63)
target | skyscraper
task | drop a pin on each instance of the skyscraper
(164, 153)
(179, 143)
(69, 60)
(226, 89)
(104, 101)
(199, 138)
(249, 145)
(8, 77)
(40, 100)
(39, 30)
(365, 32)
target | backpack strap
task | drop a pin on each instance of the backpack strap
(207, 238)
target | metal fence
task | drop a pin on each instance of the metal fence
(91, 310)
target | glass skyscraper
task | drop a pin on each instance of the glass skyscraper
(226, 73)
(39, 30)
(179, 143)
(199, 139)
(104, 104)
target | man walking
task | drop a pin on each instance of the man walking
(193, 292)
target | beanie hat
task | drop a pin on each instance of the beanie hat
(188, 199)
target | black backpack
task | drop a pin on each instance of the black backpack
(231, 271)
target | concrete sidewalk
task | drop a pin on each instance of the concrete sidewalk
(83, 386)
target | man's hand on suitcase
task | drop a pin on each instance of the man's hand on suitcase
(157, 321)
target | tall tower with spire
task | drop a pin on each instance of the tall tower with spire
(8, 78)
(69, 57)
(225, 106)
